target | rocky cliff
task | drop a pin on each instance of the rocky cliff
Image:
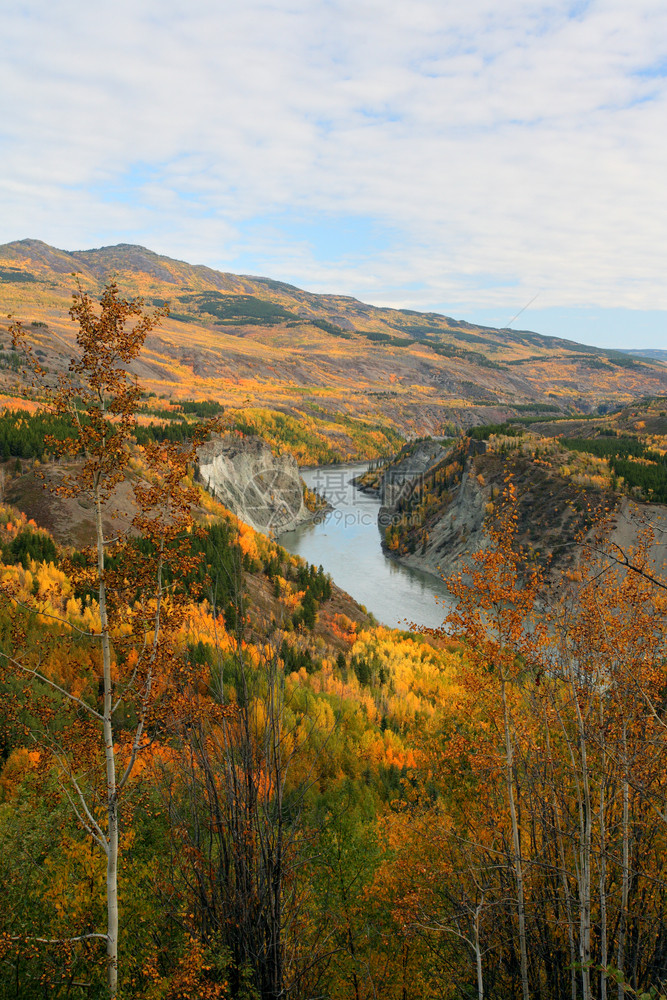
(409, 466)
(460, 530)
(261, 488)
(436, 541)
(439, 518)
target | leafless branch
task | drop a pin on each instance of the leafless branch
(622, 559)
(66, 940)
(90, 824)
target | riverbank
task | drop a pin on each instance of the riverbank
(346, 542)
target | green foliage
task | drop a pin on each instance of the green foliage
(51, 884)
(317, 585)
(617, 977)
(308, 614)
(20, 277)
(175, 432)
(287, 431)
(484, 432)
(164, 413)
(452, 351)
(32, 855)
(370, 670)
(216, 570)
(594, 363)
(180, 317)
(536, 408)
(650, 479)
(385, 338)
(25, 434)
(315, 580)
(29, 545)
(11, 360)
(608, 445)
(336, 331)
(649, 474)
(239, 309)
(204, 409)
(307, 437)
(621, 360)
(295, 659)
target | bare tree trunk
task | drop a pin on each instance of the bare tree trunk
(604, 957)
(244, 899)
(516, 840)
(563, 870)
(625, 879)
(274, 758)
(348, 923)
(110, 761)
(478, 953)
(585, 843)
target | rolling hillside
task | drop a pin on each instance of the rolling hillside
(244, 340)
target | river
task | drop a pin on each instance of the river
(346, 543)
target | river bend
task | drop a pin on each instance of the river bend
(346, 543)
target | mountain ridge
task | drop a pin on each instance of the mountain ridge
(138, 250)
(243, 338)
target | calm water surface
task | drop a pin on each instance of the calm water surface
(347, 544)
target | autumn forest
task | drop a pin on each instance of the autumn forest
(220, 776)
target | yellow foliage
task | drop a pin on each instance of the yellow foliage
(248, 541)
(18, 764)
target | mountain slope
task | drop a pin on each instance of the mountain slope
(240, 339)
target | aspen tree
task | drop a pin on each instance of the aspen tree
(495, 615)
(138, 614)
(564, 682)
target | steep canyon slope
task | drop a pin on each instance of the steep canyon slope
(572, 479)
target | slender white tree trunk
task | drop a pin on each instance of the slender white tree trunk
(604, 957)
(585, 844)
(625, 879)
(110, 761)
(563, 870)
(478, 953)
(516, 840)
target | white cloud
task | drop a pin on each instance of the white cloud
(512, 148)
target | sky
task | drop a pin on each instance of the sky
(483, 160)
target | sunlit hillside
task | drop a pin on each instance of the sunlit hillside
(245, 341)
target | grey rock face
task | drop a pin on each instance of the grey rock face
(261, 488)
(461, 529)
(458, 533)
(399, 478)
